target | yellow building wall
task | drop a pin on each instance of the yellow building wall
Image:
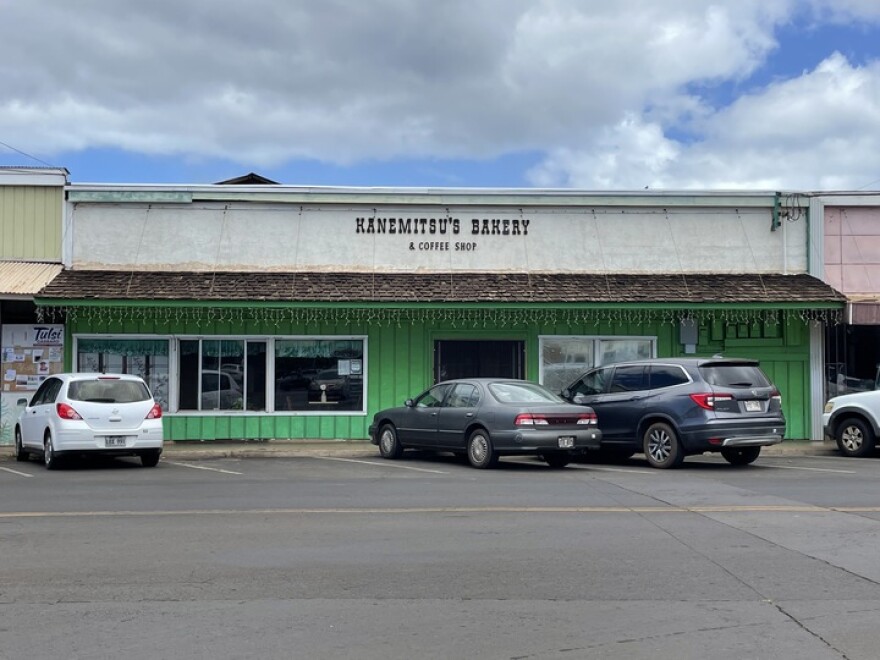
(30, 222)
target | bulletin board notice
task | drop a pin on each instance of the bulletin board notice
(30, 353)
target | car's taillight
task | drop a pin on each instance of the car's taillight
(588, 418)
(528, 419)
(66, 412)
(155, 412)
(775, 395)
(708, 400)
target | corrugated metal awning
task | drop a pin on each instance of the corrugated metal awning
(25, 278)
(862, 311)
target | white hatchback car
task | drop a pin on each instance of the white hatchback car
(89, 413)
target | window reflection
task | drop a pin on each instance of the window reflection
(319, 374)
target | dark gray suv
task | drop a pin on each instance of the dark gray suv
(670, 408)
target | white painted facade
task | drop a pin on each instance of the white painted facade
(287, 230)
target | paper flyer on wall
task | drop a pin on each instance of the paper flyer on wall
(28, 355)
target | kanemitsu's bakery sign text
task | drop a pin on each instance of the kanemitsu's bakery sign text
(439, 227)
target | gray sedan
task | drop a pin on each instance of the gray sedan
(486, 418)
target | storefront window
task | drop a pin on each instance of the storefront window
(622, 350)
(319, 375)
(147, 358)
(222, 374)
(564, 359)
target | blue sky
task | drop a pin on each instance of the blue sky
(684, 94)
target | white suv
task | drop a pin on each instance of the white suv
(85, 413)
(853, 421)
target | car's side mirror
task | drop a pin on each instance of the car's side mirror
(22, 402)
(579, 398)
(409, 403)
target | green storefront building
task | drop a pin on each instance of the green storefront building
(273, 312)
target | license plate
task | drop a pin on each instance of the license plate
(114, 441)
(566, 441)
(753, 406)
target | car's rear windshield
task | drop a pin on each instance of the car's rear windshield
(522, 393)
(108, 391)
(734, 375)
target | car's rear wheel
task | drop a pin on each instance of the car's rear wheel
(661, 446)
(150, 459)
(855, 437)
(741, 455)
(481, 453)
(21, 454)
(389, 445)
(557, 460)
(50, 460)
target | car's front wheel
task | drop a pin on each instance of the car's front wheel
(49, 458)
(389, 445)
(21, 454)
(661, 446)
(481, 453)
(741, 455)
(855, 437)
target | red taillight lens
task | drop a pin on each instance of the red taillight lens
(708, 400)
(155, 412)
(588, 418)
(528, 419)
(66, 412)
(776, 395)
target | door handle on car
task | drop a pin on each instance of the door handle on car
(469, 414)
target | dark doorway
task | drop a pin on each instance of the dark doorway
(852, 359)
(454, 358)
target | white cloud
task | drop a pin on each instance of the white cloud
(818, 131)
(604, 89)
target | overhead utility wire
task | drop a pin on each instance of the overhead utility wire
(23, 153)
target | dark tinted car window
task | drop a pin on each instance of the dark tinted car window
(593, 382)
(40, 396)
(734, 375)
(52, 391)
(463, 395)
(663, 375)
(433, 397)
(629, 379)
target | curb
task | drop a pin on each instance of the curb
(364, 449)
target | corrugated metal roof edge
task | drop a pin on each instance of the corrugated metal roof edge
(26, 278)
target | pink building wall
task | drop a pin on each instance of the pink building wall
(852, 249)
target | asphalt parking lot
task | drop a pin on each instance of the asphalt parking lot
(345, 554)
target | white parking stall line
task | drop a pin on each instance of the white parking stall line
(624, 470)
(201, 467)
(782, 467)
(378, 464)
(11, 471)
(812, 469)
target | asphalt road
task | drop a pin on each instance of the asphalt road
(358, 557)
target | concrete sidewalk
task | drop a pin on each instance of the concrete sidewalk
(363, 449)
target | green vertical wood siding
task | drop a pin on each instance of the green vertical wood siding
(30, 222)
(399, 364)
